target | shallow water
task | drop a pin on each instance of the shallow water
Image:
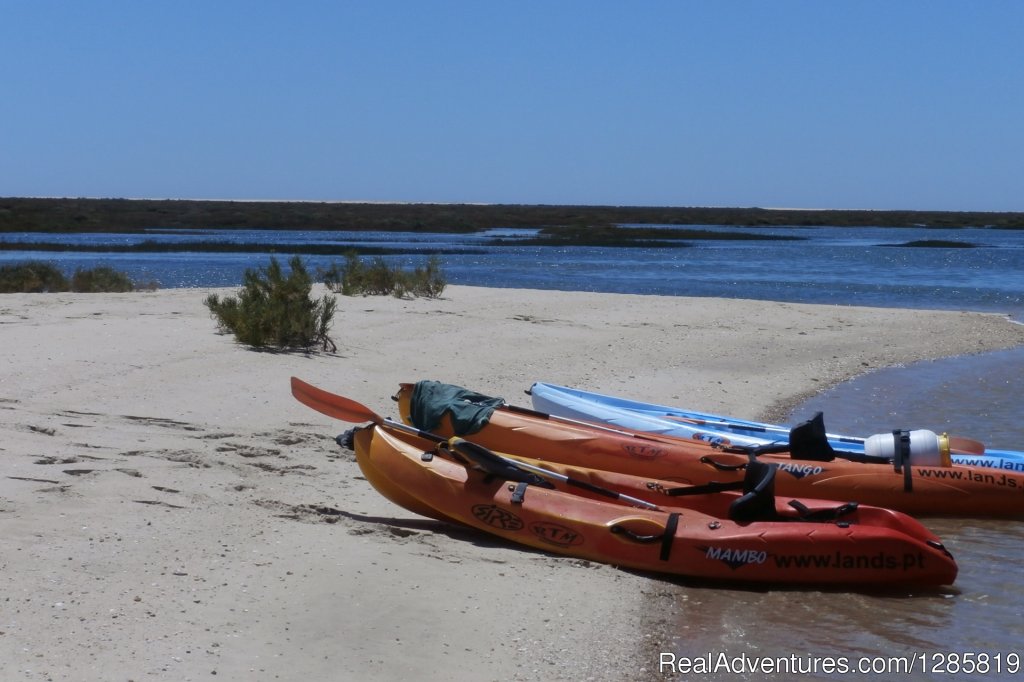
(982, 613)
(975, 396)
(845, 266)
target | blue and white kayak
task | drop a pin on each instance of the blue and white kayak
(574, 403)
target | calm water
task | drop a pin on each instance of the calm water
(833, 265)
(976, 397)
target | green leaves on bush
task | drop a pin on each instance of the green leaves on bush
(31, 277)
(355, 277)
(102, 278)
(41, 277)
(378, 278)
(428, 281)
(275, 310)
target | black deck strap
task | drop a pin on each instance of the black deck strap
(722, 467)
(704, 489)
(802, 509)
(669, 535)
(808, 441)
(824, 515)
(863, 458)
(901, 462)
(519, 494)
(758, 500)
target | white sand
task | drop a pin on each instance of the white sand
(159, 485)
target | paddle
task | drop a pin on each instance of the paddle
(349, 410)
(957, 444)
(597, 426)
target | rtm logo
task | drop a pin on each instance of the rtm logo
(556, 534)
(711, 439)
(644, 452)
(735, 558)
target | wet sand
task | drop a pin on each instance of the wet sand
(169, 511)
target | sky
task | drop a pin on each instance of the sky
(866, 104)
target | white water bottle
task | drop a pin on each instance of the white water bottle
(922, 448)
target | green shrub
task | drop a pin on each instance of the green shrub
(381, 279)
(275, 310)
(378, 278)
(334, 277)
(101, 279)
(428, 281)
(343, 280)
(40, 277)
(31, 277)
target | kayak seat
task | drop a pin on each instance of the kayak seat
(809, 441)
(758, 500)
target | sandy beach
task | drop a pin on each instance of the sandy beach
(169, 512)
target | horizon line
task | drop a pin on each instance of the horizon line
(487, 203)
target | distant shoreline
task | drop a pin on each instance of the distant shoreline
(133, 215)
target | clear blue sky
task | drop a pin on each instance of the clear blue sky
(816, 104)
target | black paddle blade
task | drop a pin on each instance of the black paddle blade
(493, 464)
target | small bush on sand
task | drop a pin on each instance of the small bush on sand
(31, 277)
(276, 310)
(428, 281)
(356, 278)
(101, 279)
(41, 277)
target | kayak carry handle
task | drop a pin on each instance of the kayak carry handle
(722, 467)
(636, 537)
(665, 537)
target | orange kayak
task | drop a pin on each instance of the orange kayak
(690, 536)
(955, 490)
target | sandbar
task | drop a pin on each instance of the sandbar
(169, 512)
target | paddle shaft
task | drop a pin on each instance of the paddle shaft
(345, 409)
(588, 424)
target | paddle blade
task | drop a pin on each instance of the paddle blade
(332, 405)
(966, 446)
